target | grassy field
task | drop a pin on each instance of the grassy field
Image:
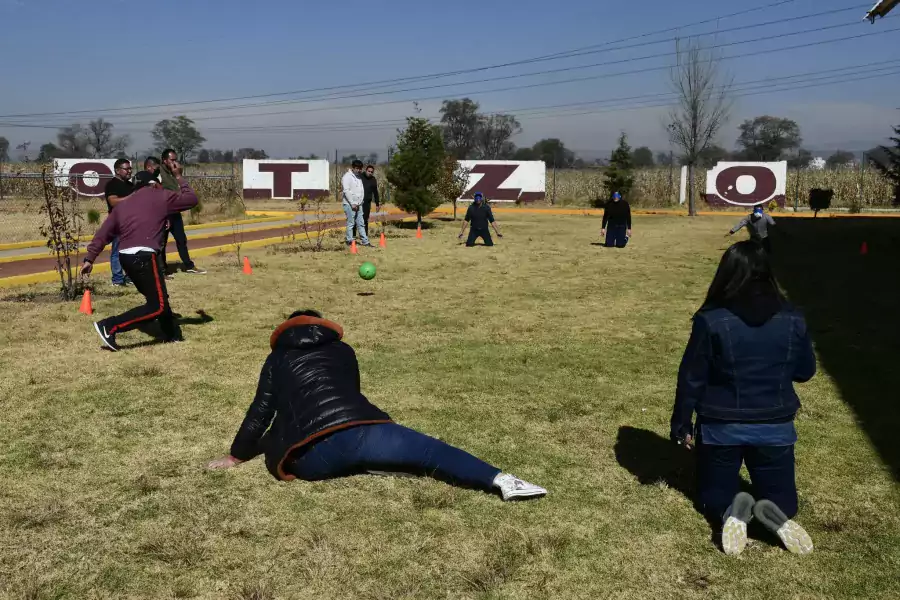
(552, 358)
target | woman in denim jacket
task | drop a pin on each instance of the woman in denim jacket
(748, 346)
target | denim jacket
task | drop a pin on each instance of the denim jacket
(735, 372)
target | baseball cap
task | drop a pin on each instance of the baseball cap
(144, 178)
(478, 195)
(617, 195)
(757, 209)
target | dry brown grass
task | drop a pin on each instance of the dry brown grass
(534, 355)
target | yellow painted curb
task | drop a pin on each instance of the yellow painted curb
(203, 236)
(49, 276)
(40, 243)
(667, 212)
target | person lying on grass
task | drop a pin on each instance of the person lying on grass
(748, 346)
(311, 421)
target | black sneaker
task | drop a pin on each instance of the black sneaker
(109, 339)
(195, 271)
(120, 284)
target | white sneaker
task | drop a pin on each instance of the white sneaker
(512, 488)
(734, 530)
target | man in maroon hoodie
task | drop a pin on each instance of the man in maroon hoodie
(139, 221)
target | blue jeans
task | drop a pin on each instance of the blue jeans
(389, 447)
(615, 236)
(115, 265)
(357, 219)
(771, 473)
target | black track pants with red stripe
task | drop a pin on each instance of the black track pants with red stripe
(145, 269)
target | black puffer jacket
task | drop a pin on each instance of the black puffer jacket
(308, 388)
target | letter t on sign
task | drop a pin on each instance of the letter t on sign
(281, 177)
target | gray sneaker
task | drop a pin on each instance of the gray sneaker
(734, 529)
(195, 271)
(791, 534)
(513, 488)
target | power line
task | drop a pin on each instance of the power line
(795, 78)
(492, 79)
(538, 84)
(383, 82)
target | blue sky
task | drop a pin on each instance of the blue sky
(68, 56)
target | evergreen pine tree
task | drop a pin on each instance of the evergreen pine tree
(619, 175)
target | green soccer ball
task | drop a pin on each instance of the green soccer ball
(367, 271)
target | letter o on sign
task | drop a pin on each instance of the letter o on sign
(90, 186)
(727, 184)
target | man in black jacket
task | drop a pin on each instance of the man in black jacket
(617, 217)
(311, 421)
(370, 194)
(479, 214)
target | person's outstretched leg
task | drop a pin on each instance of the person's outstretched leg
(396, 449)
(143, 270)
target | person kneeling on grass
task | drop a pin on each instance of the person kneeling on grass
(747, 348)
(139, 221)
(480, 215)
(616, 224)
(311, 421)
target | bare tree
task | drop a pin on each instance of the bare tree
(492, 136)
(703, 105)
(101, 140)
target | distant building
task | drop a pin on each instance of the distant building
(881, 9)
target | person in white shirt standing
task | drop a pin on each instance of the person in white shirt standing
(353, 194)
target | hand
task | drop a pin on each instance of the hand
(627, 233)
(226, 462)
(87, 267)
(177, 169)
(602, 232)
(459, 237)
(688, 442)
(499, 235)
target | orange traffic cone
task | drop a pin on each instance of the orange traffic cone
(353, 247)
(247, 269)
(419, 232)
(382, 242)
(864, 249)
(86, 307)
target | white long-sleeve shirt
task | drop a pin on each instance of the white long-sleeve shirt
(353, 189)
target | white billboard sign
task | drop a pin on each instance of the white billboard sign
(506, 180)
(746, 183)
(87, 176)
(285, 179)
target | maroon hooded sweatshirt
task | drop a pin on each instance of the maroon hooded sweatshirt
(140, 219)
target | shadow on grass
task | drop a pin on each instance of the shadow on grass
(850, 302)
(153, 329)
(653, 459)
(413, 225)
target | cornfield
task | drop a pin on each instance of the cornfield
(854, 189)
